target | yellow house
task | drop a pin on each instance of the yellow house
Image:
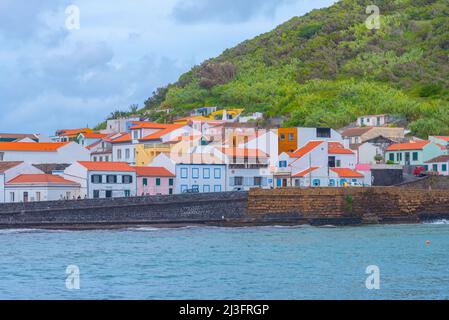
(146, 153)
(231, 114)
(186, 120)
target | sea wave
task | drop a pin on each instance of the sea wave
(15, 231)
(441, 221)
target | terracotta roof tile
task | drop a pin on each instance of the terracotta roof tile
(301, 152)
(159, 134)
(444, 158)
(107, 166)
(32, 146)
(153, 172)
(41, 179)
(305, 172)
(347, 173)
(417, 145)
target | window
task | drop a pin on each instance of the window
(101, 159)
(127, 193)
(435, 167)
(107, 159)
(2, 155)
(184, 173)
(108, 193)
(415, 156)
(444, 167)
(258, 181)
(206, 173)
(119, 154)
(399, 157)
(170, 182)
(135, 134)
(96, 194)
(127, 179)
(323, 132)
(12, 197)
(158, 181)
(426, 167)
(391, 156)
(282, 137)
(217, 188)
(217, 173)
(206, 188)
(338, 163)
(183, 188)
(170, 191)
(291, 137)
(195, 173)
(95, 159)
(38, 196)
(127, 154)
(331, 183)
(297, 182)
(283, 164)
(111, 179)
(331, 162)
(145, 181)
(316, 182)
(238, 181)
(96, 178)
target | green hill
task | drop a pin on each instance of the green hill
(326, 68)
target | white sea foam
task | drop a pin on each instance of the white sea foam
(442, 221)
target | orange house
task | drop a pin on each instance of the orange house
(288, 139)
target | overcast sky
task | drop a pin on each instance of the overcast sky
(52, 77)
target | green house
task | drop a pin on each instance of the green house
(414, 153)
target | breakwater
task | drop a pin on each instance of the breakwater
(290, 206)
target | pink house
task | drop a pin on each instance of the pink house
(154, 181)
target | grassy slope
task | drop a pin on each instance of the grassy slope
(326, 68)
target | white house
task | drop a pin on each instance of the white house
(103, 179)
(439, 164)
(324, 134)
(318, 163)
(37, 152)
(198, 177)
(266, 141)
(40, 187)
(88, 138)
(378, 120)
(10, 170)
(119, 125)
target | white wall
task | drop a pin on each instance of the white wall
(2, 188)
(308, 134)
(367, 152)
(164, 161)
(123, 147)
(47, 193)
(248, 178)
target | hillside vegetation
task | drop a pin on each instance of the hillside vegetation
(326, 68)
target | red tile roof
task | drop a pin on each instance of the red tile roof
(6, 165)
(32, 146)
(41, 179)
(94, 135)
(149, 125)
(301, 152)
(153, 172)
(305, 172)
(338, 148)
(107, 166)
(159, 134)
(72, 132)
(444, 158)
(347, 173)
(126, 137)
(416, 145)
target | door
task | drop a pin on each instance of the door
(407, 158)
(25, 197)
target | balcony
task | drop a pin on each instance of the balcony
(283, 171)
(160, 147)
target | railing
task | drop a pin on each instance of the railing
(160, 146)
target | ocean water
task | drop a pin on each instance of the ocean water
(224, 263)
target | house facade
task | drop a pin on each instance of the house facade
(439, 165)
(40, 187)
(414, 153)
(11, 169)
(154, 181)
(290, 139)
(103, 179)
(203, 178)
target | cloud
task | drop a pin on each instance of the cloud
(224, 11)
(23, 19)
